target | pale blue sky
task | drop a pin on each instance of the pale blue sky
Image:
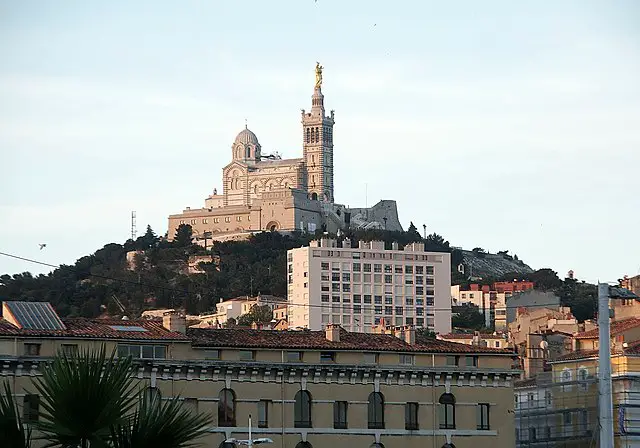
(500, 124)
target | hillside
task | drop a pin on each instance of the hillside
(155, 274)
(483, 265)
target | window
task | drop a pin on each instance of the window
(263, 414)
(246, 355)
(447, 411)
(294, 356)
(324, 266)
(346, 277)
(356, 267)
(453, 360)
(406, 360)
(566, 417)
(482, 416)
(227, 219)
(370, 358)
(532, 435)
(566, 378)
(583, 374)
(31, 408)
(302, 409)
(142, 351)
(376, 411)
(429, 270)
(327, 356)
(32, 349)
(227, 408)
(367, 267)
(547, 397)
(411, 416)
(69, 349)
(471, 361)
(340, 414)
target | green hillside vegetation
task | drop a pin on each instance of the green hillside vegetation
(99, 281)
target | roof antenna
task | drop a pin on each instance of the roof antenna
(246, 126)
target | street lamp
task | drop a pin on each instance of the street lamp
(605, 405)
(250, 441)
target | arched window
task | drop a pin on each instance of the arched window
(302, 410)
(248, 152)
(308, 137)
(583, 375)
(304, 445)
(317, 135)
(227, 408)
(224, 444)
(376, 410)
(447, 411)
(314, 196)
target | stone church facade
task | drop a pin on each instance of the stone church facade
(264, 192)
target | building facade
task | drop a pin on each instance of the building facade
(304, 389)
(265, 192)
(359, 287)
(491, 303)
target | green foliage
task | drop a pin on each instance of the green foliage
(184, 236)
(413, 232)
(13, 432)
(581, 297)
(82, 396)
(158, 424)
(469, 317)
(425, 333)
(260, 314)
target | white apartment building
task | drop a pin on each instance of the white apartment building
(492, 304)
(360, 287)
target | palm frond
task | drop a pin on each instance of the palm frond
(83, 395)
(13, 432)
(158, 424)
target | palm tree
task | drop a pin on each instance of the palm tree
(13, 432)
(160, 425)
(82, 396)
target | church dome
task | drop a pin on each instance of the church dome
(246, 137)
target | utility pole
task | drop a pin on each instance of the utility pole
(605, 404)
(605, 400)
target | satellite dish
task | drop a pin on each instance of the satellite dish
(544, 345)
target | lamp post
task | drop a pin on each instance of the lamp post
(605, 402)
(250, 441)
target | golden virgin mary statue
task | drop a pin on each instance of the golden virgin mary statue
(318, 75)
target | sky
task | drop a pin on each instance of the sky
(499, 124)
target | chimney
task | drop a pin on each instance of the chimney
(394, 245)
(332, 332)
(174, 322)
(476, 338)
(409, 335)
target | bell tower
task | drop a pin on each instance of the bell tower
(317, 138)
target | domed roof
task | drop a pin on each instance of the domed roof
(246, 137)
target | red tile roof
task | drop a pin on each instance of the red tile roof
(617, 327)
(528, 382)
(247, 338)
(469, 336)
(98, 328)
(580, 354)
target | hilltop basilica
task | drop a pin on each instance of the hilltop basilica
(264, 192)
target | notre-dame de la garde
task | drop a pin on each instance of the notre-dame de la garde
(264, 192)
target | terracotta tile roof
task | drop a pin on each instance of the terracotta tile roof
(100, 329)
(528, 382)
(247, 338)
(580, 354)
(617, 327)
(469, 336)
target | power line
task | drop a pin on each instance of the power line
(304, 305)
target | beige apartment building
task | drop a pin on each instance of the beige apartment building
(492, 304)
(304, 389)
(360, 287)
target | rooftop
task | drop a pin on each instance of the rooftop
(617, 327)
(248, 338)
(469, 336)
(99, 329)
